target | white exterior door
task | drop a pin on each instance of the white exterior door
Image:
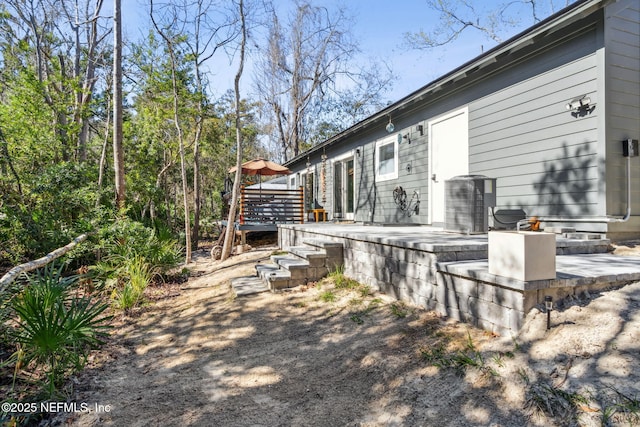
(449, 154)
(344, 187)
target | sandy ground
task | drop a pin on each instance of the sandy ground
(199, 356)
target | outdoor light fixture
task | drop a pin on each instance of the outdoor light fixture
(420, 129)
(358, 151)
(548, 304)
(390, 127)
(578, 103)
(407, 137)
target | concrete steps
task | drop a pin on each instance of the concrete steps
(302, 264)
(248, 285)
(582, 243)
(310, 262)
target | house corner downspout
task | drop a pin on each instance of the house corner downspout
(605, 219)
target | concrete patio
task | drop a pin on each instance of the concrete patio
(449, 273)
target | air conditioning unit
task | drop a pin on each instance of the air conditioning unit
(467, 202)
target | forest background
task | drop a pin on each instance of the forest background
(124, 144)
(308, 78)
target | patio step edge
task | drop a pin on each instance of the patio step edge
(277, 278)
(307, 252)
(248, 285)
(321, 243)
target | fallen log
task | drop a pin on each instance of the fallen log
(40, 262)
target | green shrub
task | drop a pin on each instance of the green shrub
(55, 206)
(55, 329)
(131, 255)
(136, 276)
(127, 239)
(328, 296)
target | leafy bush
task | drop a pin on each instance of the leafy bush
(55, 329)
(126, 239)
(55, 206)
(131, 255)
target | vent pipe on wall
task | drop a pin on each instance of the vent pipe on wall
(595, 220)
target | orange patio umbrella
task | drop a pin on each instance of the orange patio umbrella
(262, 167)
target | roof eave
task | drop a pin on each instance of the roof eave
(553, 23)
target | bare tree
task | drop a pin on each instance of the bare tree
(359, 100)
(83, 21)
(69, 48)
(171, 48)
(459, 16)
(118, 149)
(207, 36)
(105, 144)
(230, 231)
(301, 67)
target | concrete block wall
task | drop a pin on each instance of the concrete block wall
(414, 275)
(454, 279)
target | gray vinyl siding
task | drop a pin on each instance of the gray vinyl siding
(545, 159)
(377, 198)
(622, 77)
(374, 199)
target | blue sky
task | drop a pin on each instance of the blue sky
(379, 26)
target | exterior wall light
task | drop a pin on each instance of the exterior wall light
(578, 103)
(390, 127)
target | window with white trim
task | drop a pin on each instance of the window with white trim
(387, 159)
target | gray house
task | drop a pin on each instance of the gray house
(548, 114)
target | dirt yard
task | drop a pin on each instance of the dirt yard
(321, 356)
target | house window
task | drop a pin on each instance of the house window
(387, 159)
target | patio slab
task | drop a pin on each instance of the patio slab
(571, 270)
(448, 272)
(430, 239)
(248, 285)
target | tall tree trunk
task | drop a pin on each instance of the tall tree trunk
(203, 47)
(176, 120)
(198, 133)
(118, 150)
(230, 232)
(196, 184)
(89, 79)
(185, 195)
(4, 152)
(103, 153)
(196, 157)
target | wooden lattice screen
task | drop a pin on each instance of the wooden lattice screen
(271, 206)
